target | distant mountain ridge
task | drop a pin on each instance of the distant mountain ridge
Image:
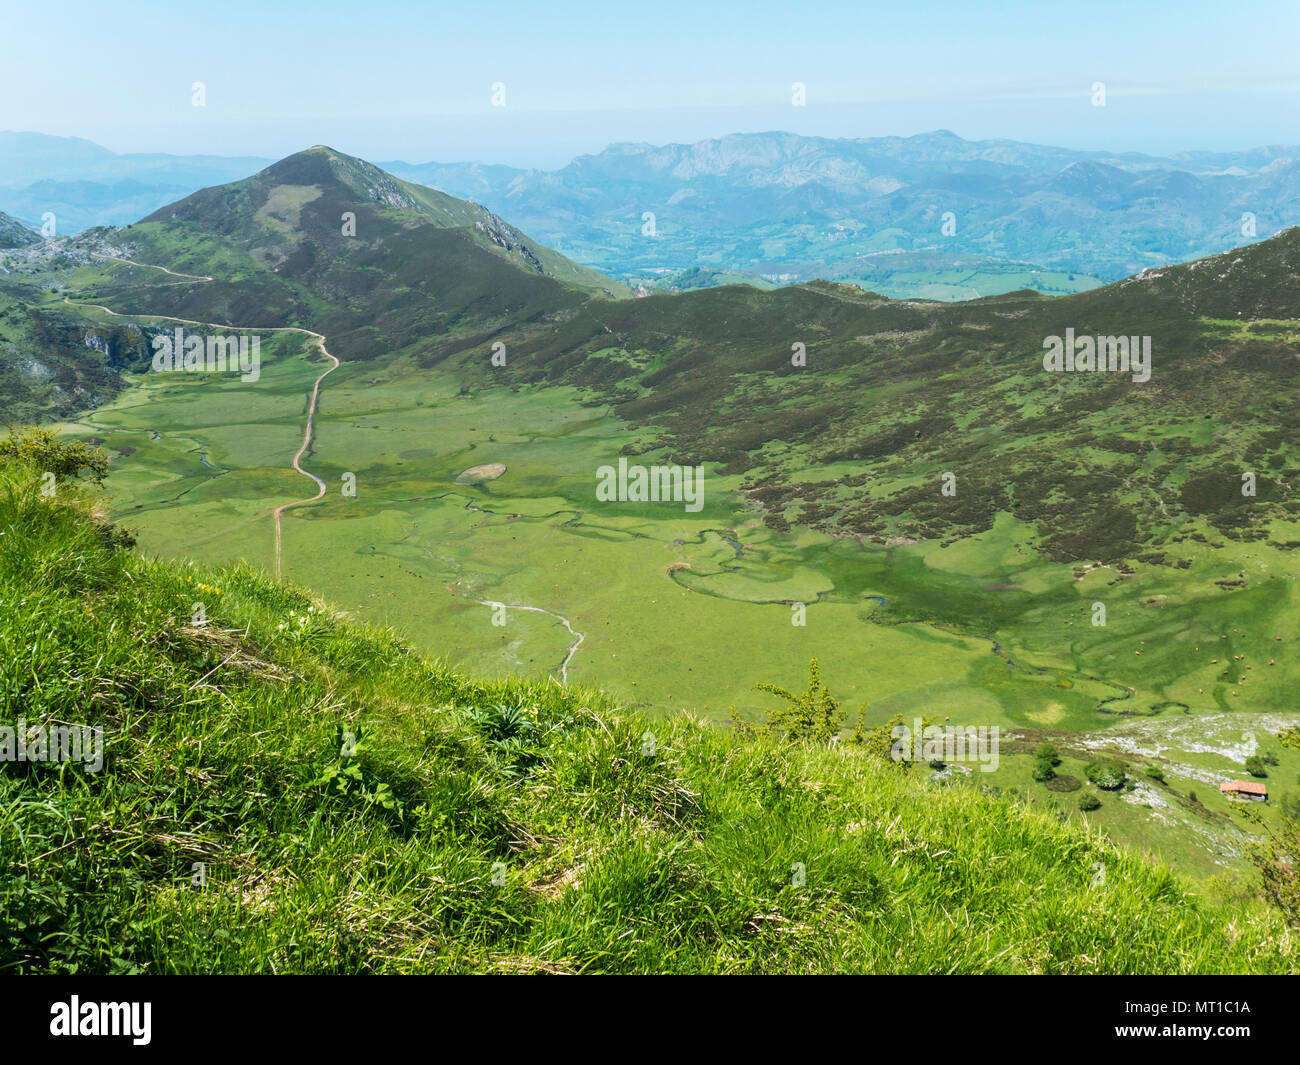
(85, 184)
(931, 215)
(757, 154)
(793, 208)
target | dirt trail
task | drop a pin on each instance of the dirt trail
(306, 443)
(308, 430)
(153, 266)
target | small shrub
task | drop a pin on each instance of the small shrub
(813, 715)
(1109, 776)
(880, 740)
(41, 449)
(1089, 802)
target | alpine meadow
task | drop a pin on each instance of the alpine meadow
(853, 548)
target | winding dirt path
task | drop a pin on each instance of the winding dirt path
(312, 406)
(308, 432)
(153, 266)
(306, 443)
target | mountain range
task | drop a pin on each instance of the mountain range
(931, 216)
(792, 208)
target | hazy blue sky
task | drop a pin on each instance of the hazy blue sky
(391, 80)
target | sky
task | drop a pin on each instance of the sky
(415, 81)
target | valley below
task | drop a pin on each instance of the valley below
(673, 611)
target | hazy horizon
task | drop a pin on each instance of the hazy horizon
(346, 138)
(419, 85)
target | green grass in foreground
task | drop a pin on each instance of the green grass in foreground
(475, 827)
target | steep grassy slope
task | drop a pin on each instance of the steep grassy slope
(284, 791)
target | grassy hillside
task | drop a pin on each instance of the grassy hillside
(358, 808)
(895, 394)
(54, 366)
(291, 217)
(415, 264)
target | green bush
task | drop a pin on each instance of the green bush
(1108, 775)
(813, 715)
(41, 450)
(1088, 801)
